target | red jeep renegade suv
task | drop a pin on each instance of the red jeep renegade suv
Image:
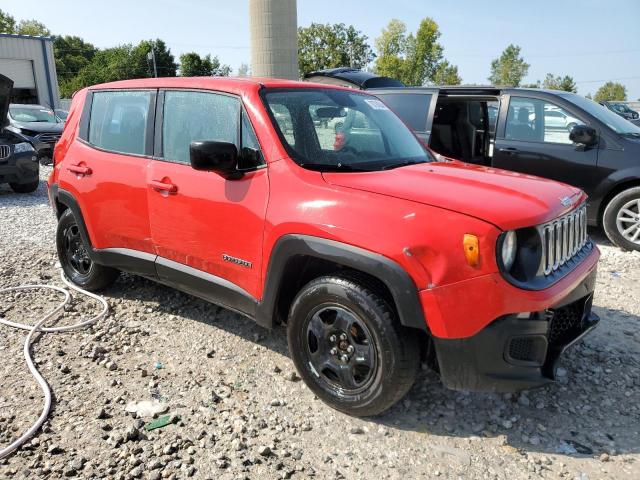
(252, 194)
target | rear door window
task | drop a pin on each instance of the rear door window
(118, 121)
(412, 108)
(191, 116)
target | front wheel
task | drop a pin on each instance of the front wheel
(75, 260)
(25, 187)
(621, 219)
(348, 347)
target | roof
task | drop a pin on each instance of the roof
(25, 37)
(236, 85)
(356, 77)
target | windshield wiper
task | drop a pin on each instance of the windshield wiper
(403, 164)
(340, 167)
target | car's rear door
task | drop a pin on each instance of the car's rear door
(415, 106)
(105, 171)
(533, 138)
(207, 230)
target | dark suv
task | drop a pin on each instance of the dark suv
(18, 162)
(39, 124)
(549, 133)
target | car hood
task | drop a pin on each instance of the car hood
(6, 85)
(40, 127)
(508, 200)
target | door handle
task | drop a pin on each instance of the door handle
(508, 150)
(163, 187)
(79, 170)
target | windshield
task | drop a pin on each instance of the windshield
(30, 114)
(326, 129)
(614, 121)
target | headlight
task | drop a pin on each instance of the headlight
(509, 250)
(23, 147)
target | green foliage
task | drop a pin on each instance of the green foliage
(72, 55)
(424, 54)
(330, 46)
(122, 63)
(565, 83)
(33, 28)
(610, 92)
(414, 59)
(7, 23)
(509, 69)
(193, 65)
(446, 74)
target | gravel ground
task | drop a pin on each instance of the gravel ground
(238, 409)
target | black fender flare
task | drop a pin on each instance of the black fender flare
(402, 288)
(61, 196)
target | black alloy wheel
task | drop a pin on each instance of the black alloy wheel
(340, 349)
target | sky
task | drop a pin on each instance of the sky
(592, 40)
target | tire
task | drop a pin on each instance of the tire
(75, 261)
(619, 217)
(332, 317)
(25, 187)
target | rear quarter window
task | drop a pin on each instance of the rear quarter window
(118, 121)
(412, 108)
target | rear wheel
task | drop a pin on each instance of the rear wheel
(25, 187)
(621, 219)
(348, 347)
(75, 260)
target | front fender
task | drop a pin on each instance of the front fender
(397, 280)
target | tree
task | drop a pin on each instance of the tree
(33, 28)
(244, 70)
(413, 59)
(446, 74)
(391, 46)
(192, 65)
(509, 69)
(165, 61)
(330, 46)
(565, 83)
(72, 55)
(611, 91)
(7, 23)
(123, 62)
(424, 54)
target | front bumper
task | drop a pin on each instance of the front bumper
(517, 351)
(20, 168)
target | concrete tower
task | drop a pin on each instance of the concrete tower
(274, 38)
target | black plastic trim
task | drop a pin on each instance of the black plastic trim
(481, 362)
(206, 286)
(397, 280)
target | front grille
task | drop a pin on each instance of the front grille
(5, 152)
(48, 137)
(566, 324)
(563, 238)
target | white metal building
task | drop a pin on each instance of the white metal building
(30, 63)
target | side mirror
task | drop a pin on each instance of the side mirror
(218, 157)
(583, 135)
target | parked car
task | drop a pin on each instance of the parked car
(371, 251)
(40, 125)
(18, 162)
(549, 133)
(622, 109)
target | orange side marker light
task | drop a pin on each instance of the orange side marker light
(471, 246)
